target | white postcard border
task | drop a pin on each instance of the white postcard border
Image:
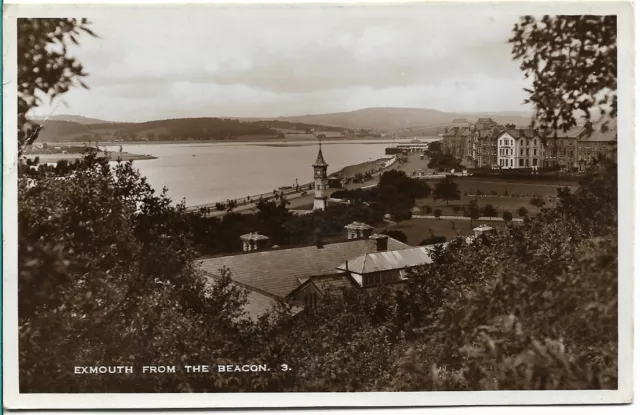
(15, 400)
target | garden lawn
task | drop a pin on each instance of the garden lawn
(509, 196)
(419, 229)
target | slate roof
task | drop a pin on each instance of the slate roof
(389, 260)
(277, 271)
(257, 303)
(522, 132)
(597, 135)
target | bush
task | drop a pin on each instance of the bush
(507, 216)
(522, 211)
(489, 211)
(433, 240)
(427, 209)
(437, 213)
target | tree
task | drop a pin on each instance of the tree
(522, 211)
(490, 211)
(44, 66)
(396, 234)
(552, 323)
(446, 189)
(114, 279)
(433, 240)
(507, 216)
(573, 63)
(472, 211)
(437, 213)
(427, 209)
(538, 201)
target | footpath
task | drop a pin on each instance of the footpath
(481, 219)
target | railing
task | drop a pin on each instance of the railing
(243, 201)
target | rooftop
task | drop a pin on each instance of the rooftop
(277, 271)
(257, 303)
(389, 260)
(358, 225)
(320, 160)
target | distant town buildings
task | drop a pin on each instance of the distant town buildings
(487, 144)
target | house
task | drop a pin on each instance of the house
(301, 274)
(520, 148)
(414, 145)
(384, 267)
(599, 139)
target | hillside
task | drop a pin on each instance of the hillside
(71, 118)
(393, 119)
(400, 121)
(175, 129)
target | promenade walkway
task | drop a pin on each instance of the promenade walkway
(481, 219)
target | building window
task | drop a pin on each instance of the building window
(521, 142)
(521, 163)
(534, 162)
(535, 151)
(511, 162)
(535, 142)
(521, 151)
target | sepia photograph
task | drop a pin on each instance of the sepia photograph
(296, 202)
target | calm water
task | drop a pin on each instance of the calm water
(205, 173)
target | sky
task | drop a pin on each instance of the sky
(269, 61)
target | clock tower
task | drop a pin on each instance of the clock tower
(320, 181)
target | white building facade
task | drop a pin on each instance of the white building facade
(507, 151)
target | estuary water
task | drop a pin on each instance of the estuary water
(209, 172)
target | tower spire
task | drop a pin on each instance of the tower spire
(321, 183)
(320, 159)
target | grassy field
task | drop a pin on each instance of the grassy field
(505, 195)
(419, 229)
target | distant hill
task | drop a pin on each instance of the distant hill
(72, 118)
(392, 119)
(178, 129)
(400, 121)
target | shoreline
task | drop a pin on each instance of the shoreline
(304, 196)
(259, 142)
(115, 156)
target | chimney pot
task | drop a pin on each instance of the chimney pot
(378, 243)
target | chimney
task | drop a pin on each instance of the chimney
(378, 243)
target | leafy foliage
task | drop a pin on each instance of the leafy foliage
(534, 307)
(44, 66)
(489, 211)
(522, 211)
(537, 201)
(472, 211)
(396, 234)
(446, 189)
(107, 274)
(573, 63)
